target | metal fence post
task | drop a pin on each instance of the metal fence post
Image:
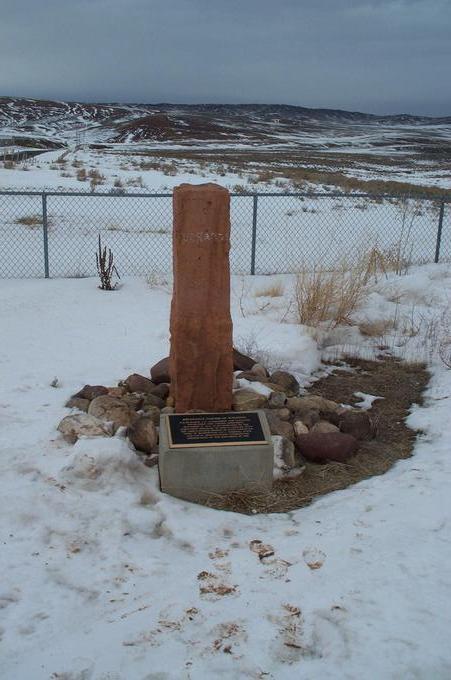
(254, 233)
(439, 232)
(45, 235)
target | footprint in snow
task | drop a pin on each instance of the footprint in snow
(314, 558)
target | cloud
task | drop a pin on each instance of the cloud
(374, 55)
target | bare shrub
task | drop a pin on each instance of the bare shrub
(106, 268)
(437, 337)
(397, 257)
(118, 183)
(240, 189)
(136, 182)
(81, 175)
(156, 279)
(9, 165)
(250, 345)
(329, 297)
(96, 178)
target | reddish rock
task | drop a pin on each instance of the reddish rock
(321, 447)
(160, 372)
(357, 423)
(201, 365)
(241, 362)
(91, 392)
(138, 383)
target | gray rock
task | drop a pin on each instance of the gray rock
(153, 400)
(312, 401)
(277, 400)
(284, 452)
(300, 428)
(78, 425)
(260, 371)
(308, 416)
(143, 434)
(134, 400)
(252, 377)
(284, 413)
(112, 409)
(287, 381)
(78, 402)
(153, 412)
(324, 426)
(247, 400)
(168, 409)
(161, 391)
(278, 426)
(357, 423)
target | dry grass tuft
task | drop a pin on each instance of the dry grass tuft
(329, 297)
(273, 290)
(376, 328)
(31, 221)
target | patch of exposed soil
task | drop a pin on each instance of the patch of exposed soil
(400, 384)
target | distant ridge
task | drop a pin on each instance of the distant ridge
(49, 122)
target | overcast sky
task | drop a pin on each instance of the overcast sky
(380, 56)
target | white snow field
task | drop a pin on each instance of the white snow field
(100, 571)
(139, 229)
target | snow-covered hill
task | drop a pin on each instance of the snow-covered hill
(168, 124)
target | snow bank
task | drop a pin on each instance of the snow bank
(105, 577)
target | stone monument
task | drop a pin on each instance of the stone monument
(201, 364)
(205, 447)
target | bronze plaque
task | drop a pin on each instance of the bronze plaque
(215, 429)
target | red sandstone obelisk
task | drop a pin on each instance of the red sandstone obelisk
(201, 364)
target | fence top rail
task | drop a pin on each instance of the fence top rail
(251, 194)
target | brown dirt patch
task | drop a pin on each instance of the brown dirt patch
(400, 384)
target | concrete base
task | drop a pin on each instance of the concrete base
(197, 473)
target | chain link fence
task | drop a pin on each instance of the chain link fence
(55, 234)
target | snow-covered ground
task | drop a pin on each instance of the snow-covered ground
(100, 570)
(290, 230)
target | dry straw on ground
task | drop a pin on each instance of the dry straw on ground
(400, 384)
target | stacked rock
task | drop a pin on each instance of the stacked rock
(305, 428)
